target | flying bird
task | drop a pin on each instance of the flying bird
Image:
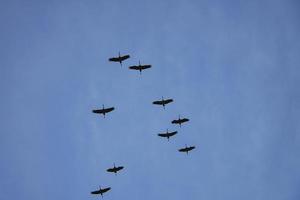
(101, 191)
(167, 134)
(162, 102)
(103, 111)
(180, 121)
(119, 59)
(186, 149)
(115, 169)
(140, 67)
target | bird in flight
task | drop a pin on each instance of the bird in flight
(167, 134)
(140, 67)
(103, 111)
(115, 169)
(180, 121)
(119, 59)
(162, 102)
(186, 149)
(101, 191)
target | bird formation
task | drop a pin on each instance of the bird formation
(120, 59)
(163, 102)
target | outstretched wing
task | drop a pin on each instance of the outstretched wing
(182, 150)
(100, 111)
(168, 101)
(114, 59)
(96, 192)
(124, 57)
(175, 121)
(191, 148)
(173, 133)
(105, 190)
(135, 67)
(110, 170)
(145, 66)
(109, 109)
(162, 135)
(120, 168)
(184, 120)
(157, 102)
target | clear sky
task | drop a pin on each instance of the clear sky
(232, 67)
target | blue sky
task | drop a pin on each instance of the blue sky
(231, 67)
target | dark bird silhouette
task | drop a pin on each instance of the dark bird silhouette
(163, 102)
(180, 121)
(115, 169)
(140, 67)
(119, 59)
(101, 191)
(167, 134)
(103, 111)
(186, 149)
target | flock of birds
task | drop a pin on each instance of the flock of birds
(162, 102)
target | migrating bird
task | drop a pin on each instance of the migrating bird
(140, 67)
(167, 134)
(101, 191)
(186, 149)
(119, 59)
(115, 169)
(180, 121)
(163, 102)
(103, 110)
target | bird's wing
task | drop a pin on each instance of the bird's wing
(162, 135)
(96, 192)
(135, 67)
(174, 121)
(114, 59)
(191, 148)
(168, 101)
(145, 66)
(109, 109)
(185, 120)
(105, 190)
(110, 170)
(157, 102)
(100, 111)
(173, 133)
(124, 57)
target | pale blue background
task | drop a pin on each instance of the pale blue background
(232, 67)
